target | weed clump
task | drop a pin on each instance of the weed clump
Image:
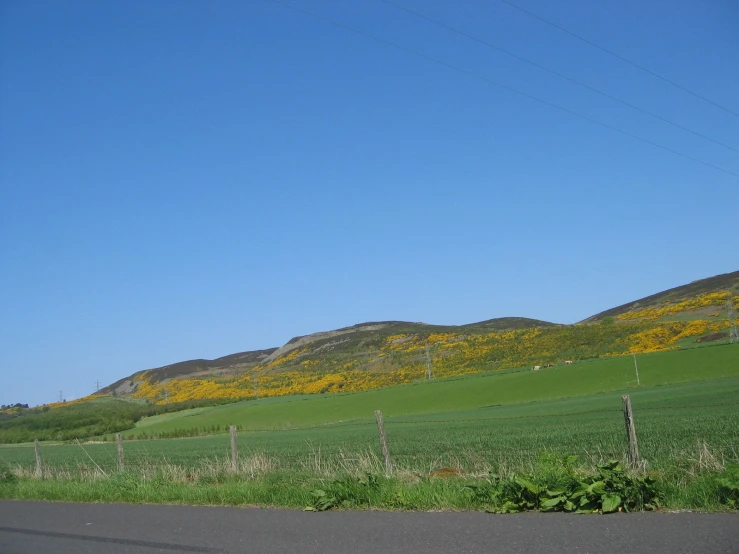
(728, 487)
(349, 492)
(608, 490)
(6, 474)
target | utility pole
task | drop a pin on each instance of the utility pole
(636, 368)
(97, 385)
(429, 370)
(255, 384)
(166, 396)
(733, 335)
(60, 396)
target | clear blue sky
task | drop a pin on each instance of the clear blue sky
(191, 179)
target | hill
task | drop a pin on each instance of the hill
(224, 366)
(380, 354)
(330, 343)
(383, 353)
(670, 297)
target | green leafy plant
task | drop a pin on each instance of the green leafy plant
(507, 496)
(349, 492)
(634, 491)
(6, 475)
(728, 486)
(611, 489)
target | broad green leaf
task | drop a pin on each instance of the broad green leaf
(597, 488)
(611, 502)
(586, 502)
(509, 508)
(528, 485)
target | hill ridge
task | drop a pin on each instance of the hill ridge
(365, 352)
(723, 281)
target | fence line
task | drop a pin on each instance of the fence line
(369, 423)
(138, 458)
(134, 457)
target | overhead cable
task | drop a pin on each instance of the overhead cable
(501, 85)
(558, 74)
(623, 59)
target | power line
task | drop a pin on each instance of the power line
(626, 60)
(557, 73)
(501, 85)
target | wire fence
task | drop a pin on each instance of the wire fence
(669, 436)
(443, 419)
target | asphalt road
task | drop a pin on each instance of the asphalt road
(38, 527)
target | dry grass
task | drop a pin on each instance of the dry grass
(702, 459)
(707, 460)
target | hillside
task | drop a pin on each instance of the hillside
(325, 341)
(486, 391)
(716, 284)
(230, 365)
(377, 354)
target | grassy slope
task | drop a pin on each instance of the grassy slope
(723, 282)
(669, 417)
(350, 337)
(464, 393)
(673, 422)
(281, 468)
(83, 419)
(380, 354)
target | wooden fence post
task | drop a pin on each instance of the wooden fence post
(119, 443)
(383, 442)
(234, 449)
(38, 472)
(631, 433)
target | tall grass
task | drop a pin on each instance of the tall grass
(260, 480)
(688, 433)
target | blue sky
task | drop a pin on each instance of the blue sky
(191, 179)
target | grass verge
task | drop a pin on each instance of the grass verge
(555, 483)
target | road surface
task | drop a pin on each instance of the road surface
(61, 528)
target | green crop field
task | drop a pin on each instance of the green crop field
(448, 395)
(672, 422)
(517, 423)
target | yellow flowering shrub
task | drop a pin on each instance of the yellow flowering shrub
(401, 358)
(656, 312)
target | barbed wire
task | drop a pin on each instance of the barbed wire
(306, 459)
(392, 421)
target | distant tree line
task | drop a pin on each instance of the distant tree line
(206, 430)
(84, 420)
(9, 406)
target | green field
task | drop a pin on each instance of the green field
(464, 393)
(672, 422)
(686, 413)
